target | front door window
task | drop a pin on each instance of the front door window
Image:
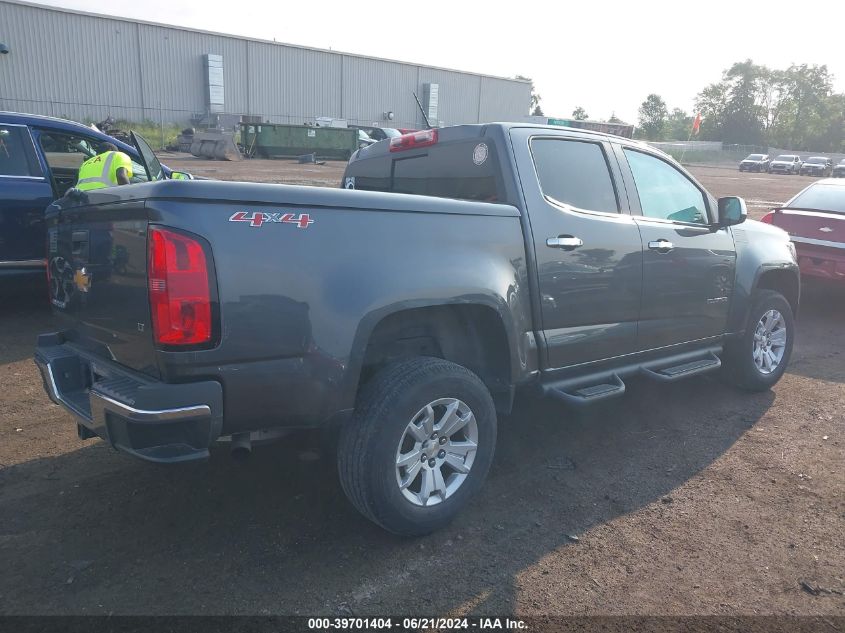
(665, 193)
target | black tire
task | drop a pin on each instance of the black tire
(738, 366)
(368, 443)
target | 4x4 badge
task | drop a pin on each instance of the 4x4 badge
(259, 218)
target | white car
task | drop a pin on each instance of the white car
(786, 164)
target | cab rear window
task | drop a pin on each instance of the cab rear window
(467, 170)
(17, 157)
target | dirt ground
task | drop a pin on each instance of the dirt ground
(676, 500)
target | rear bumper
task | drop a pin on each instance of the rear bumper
(820, 258)
(151, 420)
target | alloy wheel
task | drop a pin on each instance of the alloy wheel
(436, 451)
(770, 338)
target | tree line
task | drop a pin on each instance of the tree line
(752, 104)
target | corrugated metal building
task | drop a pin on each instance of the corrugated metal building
(162, 75)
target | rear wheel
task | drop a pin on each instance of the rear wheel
(758, 359)
(419, 445)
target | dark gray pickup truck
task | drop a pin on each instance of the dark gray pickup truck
(558, 261)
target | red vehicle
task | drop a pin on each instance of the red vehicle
(815, 221)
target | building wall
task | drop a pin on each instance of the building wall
(57, 67)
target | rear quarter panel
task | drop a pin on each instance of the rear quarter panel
(298, 304)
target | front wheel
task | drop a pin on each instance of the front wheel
(757, 360)
(419, 445)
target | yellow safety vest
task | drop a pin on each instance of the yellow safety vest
(100, 171)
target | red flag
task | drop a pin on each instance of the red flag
(696, 125)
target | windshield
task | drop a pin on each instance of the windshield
(786, 157)
(842, 162)
(829, 198)
(390, 132)
(755, 157)
(816, 160)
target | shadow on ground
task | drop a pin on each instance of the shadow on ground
(91, 531)
(92, 528)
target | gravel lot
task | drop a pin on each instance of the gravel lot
(689, 499)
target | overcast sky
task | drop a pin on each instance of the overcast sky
(604, 56)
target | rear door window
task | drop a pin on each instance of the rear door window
(574, 173)
(17, 155)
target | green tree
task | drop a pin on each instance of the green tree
(678, 125)
(710, 102)
(653, 116)
(534, 102)
(580, 114)
(808, 92)
(733, 107)
(745, 113)
(794, 108)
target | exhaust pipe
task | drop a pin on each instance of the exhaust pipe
(241, 446)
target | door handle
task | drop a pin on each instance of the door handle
(566, 242)
(661, 245)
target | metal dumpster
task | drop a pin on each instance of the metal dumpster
(275, 140)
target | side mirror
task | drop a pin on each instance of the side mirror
(732, 210)
(180, 175)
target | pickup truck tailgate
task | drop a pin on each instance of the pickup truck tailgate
(97, 263)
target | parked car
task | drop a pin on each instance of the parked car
(559, 261)
(364, 139)
(838, 169)
(379, 133)
(755, 162)
(786, 164)
(817, 166)
(815, 221)
(39, 161)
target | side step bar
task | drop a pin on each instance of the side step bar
(605, 384)
(710, 362)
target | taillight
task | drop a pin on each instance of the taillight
(413, 140)
(769, 218)
(180, 296)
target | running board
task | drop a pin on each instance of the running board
(588, 393)
(606, 384)
(684, 370)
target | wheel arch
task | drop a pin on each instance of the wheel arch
(477, 335)
(786, 281)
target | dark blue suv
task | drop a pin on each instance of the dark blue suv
(39, 161)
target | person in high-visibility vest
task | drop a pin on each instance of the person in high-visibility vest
(110, 168)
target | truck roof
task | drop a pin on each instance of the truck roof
(471, 130)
